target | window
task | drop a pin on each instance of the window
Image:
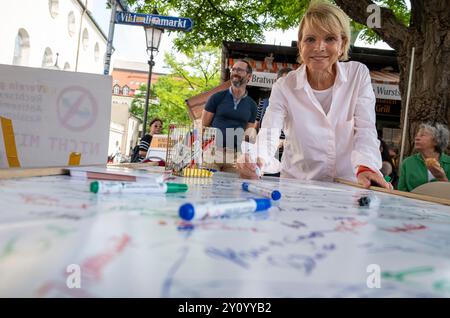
(21, 48)
(71, 23)
(66, 66)
(125, 90)
(53, 7)
(116, 90)
(392, 135)
(47, 59)
(85, 39)
(96, 52)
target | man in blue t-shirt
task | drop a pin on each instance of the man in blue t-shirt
(232, 108)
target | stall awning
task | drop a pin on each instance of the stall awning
(385, 77)
(265, 66)
(385, 86)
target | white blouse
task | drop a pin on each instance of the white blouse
(319, 145)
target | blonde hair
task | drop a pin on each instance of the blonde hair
(329, 18)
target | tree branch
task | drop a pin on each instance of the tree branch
(392, 31)
(205, 74)
(180, 72)
(221, 11)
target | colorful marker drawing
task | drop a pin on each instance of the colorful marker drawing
(313, 242)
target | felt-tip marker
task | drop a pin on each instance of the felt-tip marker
(273, 194)
(136, 187)
(190, 211)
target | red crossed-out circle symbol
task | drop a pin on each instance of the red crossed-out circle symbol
(76, 108)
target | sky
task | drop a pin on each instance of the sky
(129, 40)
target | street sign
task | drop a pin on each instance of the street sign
(154, 20)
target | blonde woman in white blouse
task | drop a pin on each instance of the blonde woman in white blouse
(326, 109)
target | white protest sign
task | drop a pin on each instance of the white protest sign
(54, 113)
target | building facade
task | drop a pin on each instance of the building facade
(59, 34)
(125, 128)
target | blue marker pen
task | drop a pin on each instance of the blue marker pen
(273, 194)
(190, 211)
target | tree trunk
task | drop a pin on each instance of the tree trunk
(429, 33)
(430, 93)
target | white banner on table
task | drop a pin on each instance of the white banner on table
(55, 113)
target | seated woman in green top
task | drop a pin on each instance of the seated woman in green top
(430, 163)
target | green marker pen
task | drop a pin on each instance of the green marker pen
(105, 187)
